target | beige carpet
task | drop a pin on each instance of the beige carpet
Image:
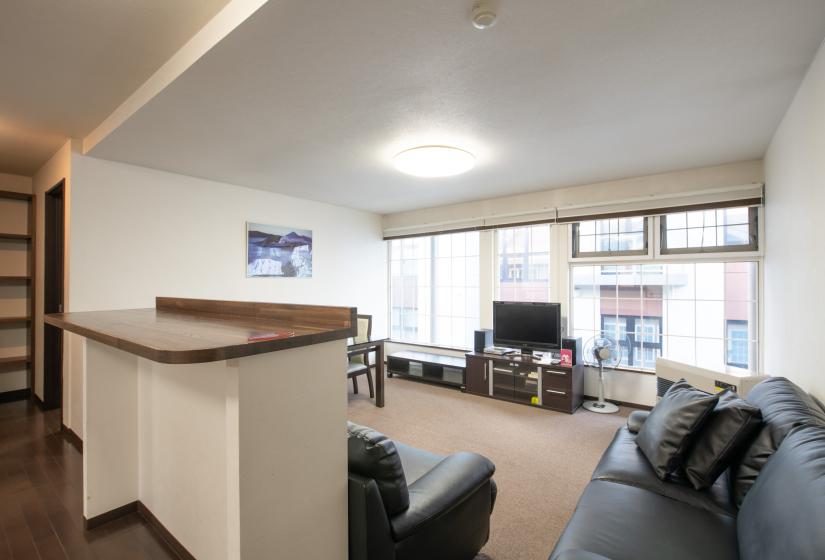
(543, 459)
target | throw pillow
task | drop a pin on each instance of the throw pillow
(731, 426)
(669, 430)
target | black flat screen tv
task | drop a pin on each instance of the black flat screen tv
(527, 326)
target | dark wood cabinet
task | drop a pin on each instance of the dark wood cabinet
(527, 380)
(477, 380)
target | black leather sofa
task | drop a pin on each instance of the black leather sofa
(409, 504)
(769, 505)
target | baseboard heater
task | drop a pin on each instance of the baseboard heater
(669, 372)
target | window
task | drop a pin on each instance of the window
(737, 339)
(434, 289)
(610, 238)
(523, 263)
(724, 229)
(702, 313)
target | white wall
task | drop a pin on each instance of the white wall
(137, 233)
(16, 183)
(794, 256)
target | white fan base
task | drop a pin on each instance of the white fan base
(600, 407)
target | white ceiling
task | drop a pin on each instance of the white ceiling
(312, 98)
(66, 65)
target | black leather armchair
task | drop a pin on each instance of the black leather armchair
(407, 503)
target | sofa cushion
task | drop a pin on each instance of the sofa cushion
(624, 463)
(783, 514)
(784, 406)
(635, 420)
(671, 426)
(372, 455)
(729, 429)
(623, 522)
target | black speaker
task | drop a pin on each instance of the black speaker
(574, 344)
(483, 338)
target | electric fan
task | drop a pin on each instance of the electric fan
(602, 351)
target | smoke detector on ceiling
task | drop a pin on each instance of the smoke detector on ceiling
(484, 15)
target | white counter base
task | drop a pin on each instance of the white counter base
(238, 459)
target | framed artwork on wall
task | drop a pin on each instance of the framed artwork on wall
(278, 251)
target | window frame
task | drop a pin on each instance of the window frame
(754, 234)
(577, 255)
(665, 260)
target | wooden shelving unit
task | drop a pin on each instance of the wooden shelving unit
(16, 322)
(15, 360)
(15, 279)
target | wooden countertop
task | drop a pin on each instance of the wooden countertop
(190, 331)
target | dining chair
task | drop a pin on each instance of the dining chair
(359, 360)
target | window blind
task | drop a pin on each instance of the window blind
(743, 195)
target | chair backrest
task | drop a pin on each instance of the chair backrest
(364, 328)
(373, 455)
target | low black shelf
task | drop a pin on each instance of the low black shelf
(425, 366)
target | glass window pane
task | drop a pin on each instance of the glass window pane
(677, 239)
(614, 236)
(699, 313)
(436, 314)
(706, 230)
(710, 353)
(677, 221)
(731, 216)
(710, 281)
(587, 243)
(587, 228)
(524, 270)
(710, 319)
(540, 239)
(631, 241)
(695, 219)
(734, 235)
(695, 237)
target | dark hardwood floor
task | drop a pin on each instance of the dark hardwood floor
(41, 497)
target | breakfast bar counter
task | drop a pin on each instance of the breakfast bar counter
(220, 422)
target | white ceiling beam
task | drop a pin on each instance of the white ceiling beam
(229, 18)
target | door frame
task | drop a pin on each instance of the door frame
(54, 244)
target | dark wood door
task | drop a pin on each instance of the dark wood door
(53, 297)
(476, 379)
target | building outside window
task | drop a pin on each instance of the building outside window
(523, 263)
(434, 289)
(737, 339)
(699, 313)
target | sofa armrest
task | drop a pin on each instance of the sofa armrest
(370, 535)
(636, 419)
(448, 484)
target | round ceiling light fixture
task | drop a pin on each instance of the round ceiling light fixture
(434, 161)
(484, 15)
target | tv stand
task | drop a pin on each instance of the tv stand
(526, 379)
